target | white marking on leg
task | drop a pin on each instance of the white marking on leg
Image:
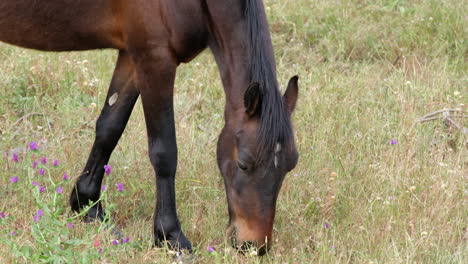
(113, 99)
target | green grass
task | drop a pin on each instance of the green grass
(367, 70)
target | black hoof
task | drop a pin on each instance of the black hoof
(175, 240)
(95, 213)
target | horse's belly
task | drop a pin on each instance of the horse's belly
(44, 39)
(57, 25)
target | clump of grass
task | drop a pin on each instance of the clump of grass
(41, 229)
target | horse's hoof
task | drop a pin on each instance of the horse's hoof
(175, 241)
(94, 214)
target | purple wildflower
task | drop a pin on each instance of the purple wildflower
(107, 169)
(34, 165)
(35, 183)
(394, 142)
(104, 187)
(65, 176)
(70, 225)
(42, 189)
(100, 250)
(210, 249)
(13, 233)
(38, 215)
(2, 215)
(14, 179)
(55, 163)
(59, 190)
(33, 146)
(123, 241)
(327, 225)
(41, 171)
(120, 187)
(15, 157)
(115, 242)
(44, 160)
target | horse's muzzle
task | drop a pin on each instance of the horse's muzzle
(249, 241)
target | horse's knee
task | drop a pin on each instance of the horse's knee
(107, 134)
(164, 160)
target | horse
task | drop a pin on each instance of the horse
(256, 147)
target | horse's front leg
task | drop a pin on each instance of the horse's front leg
(156, 73)
(120, 100)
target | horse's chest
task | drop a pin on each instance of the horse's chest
(189, 44)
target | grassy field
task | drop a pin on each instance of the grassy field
(372, 185)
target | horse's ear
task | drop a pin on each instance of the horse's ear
(290, 96)
(253, 99)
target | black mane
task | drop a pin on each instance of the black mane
(275, 124)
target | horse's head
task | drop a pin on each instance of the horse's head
(255, 151)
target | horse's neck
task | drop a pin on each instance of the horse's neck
(232, 47)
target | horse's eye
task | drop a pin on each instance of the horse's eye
(241, 166)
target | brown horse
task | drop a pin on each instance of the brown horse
(256, 147)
